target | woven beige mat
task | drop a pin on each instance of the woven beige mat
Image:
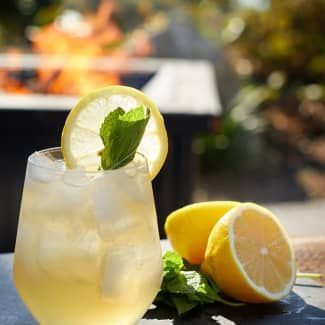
(310, 255)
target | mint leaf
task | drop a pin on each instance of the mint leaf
(109, 125)
(180, 302)
(183, 304)
(184, 287)
(172, 261)
(121, 133)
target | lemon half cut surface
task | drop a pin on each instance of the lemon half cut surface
(249, 255)
(81, 142)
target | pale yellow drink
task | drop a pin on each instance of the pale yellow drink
(87, 249)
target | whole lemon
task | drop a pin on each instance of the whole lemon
(188, 228)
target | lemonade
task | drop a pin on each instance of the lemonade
(87, 249)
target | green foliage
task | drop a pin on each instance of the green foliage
(16, 16)
(288, 36)
(279, 53)
(184, 287)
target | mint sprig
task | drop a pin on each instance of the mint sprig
(184, 287)
(121, 133)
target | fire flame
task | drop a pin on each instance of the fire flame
(79, 39)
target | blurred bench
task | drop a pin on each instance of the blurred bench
(185, 91)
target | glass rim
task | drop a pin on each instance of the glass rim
(144, 162)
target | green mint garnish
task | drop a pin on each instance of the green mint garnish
(121, 133)
(184, 287)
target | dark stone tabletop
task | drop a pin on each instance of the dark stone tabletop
(305, 305)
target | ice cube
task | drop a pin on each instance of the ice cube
(119, 270)
(118, 201)
(60, 165)
(59, 200)
(42, 168)
(130, 169)
(137, 167)
(76, 177)
(70, 253)
(128, 269)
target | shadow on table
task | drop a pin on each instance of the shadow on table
(292, 310)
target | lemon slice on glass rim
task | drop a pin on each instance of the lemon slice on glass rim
(81, 142)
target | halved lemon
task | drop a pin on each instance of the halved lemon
(249, 255)
(81, 141)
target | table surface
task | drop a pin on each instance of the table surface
(305, 305)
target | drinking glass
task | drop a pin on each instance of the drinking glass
(87, 249)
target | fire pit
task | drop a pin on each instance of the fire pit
(185, 91)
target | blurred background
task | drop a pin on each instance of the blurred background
(265, 142)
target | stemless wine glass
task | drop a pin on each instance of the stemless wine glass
(87, 249)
